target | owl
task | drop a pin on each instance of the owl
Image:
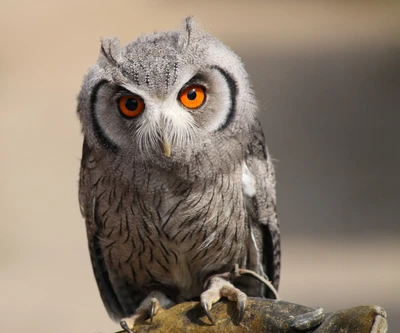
(177, 187)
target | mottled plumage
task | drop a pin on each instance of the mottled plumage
(164, 224)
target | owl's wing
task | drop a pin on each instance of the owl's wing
(258, 180)
(88, 207)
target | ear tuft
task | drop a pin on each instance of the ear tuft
(190, 32)
(111, 50)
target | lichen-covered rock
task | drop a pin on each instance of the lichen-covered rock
(264, 315)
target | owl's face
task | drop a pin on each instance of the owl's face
(167, 96)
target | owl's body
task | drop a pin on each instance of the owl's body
(177, 193)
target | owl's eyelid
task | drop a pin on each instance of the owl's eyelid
(121, 92)
(197, 80)
(193, 85)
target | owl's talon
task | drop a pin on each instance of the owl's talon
(204, 305)
(307, 320)
(153, 303)
(242, 308)
(125, 326)
(149, 307)
(220, 287)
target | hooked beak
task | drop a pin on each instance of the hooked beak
(167, 146)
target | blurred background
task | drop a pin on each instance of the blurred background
(327, 75)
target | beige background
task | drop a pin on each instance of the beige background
(333, 255)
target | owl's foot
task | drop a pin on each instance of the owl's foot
(220, 287)
(147, 309)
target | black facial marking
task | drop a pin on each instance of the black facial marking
(175, 73)
(101, 136)
(233, 90)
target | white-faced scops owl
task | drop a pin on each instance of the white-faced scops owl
(176, 184)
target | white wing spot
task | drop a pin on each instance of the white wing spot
(207, 242)
(248, 182)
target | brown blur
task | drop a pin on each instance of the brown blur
(327, 75)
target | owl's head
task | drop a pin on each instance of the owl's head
(169, 96)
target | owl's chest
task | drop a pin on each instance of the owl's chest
(175, 234)
(196, 212)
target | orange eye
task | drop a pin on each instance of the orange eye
(131, 105)
(192, 97)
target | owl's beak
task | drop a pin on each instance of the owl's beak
(167, 146)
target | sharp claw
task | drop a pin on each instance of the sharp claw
(307, 320)
(152, 309)
(125, 326)
(241, 311)
(205, 307)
